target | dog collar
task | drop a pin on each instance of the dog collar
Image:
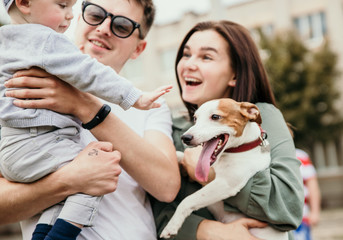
(250, 145)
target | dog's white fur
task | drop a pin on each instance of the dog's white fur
(233, 170)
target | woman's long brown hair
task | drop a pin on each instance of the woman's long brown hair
(252, 83)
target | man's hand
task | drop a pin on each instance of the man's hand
(39, 89)
(94, 171)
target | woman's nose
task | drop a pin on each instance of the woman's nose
(191, 63)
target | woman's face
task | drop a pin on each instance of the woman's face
(205, 71)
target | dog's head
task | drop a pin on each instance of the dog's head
(221, 124)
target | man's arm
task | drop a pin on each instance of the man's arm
(93, 175)
(37, 196)
(151, 161)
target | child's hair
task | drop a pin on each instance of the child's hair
(8, 4)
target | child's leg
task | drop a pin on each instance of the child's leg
(79, 209)
(25, 153)
(63, 230)
(46, 221)
(35, 152)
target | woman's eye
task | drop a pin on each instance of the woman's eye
(187, 55)
(216, 117)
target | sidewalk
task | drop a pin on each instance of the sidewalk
(330, 226)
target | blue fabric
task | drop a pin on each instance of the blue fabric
(63, 230)
(303, 232)
(41, 231)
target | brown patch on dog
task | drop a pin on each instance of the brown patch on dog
(236, 114)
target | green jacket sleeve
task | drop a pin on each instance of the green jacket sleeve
(274, 195)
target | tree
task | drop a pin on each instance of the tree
(303, 82)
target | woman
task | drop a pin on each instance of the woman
(220, 60)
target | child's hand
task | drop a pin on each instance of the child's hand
(147, 100)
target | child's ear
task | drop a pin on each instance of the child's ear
(23, 6)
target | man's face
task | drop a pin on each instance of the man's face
(99, 42)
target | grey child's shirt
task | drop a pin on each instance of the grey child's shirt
(27, 45)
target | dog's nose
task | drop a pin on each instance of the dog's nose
(187, 138)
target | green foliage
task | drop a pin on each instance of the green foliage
(303, 82)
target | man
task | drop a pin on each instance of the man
(147, 152)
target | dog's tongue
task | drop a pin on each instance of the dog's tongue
(203, 167)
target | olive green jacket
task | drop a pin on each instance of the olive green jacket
(274, 195)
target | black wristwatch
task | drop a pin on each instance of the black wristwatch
(99, 117)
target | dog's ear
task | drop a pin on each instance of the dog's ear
(251, 112)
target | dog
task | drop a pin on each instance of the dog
(235, 146)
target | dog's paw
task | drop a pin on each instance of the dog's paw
(168, 231)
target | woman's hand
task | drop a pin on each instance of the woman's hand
(189, 162)
(39, 89)
(94, 171)
(238, 229)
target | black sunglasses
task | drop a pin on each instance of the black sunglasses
(121, 26)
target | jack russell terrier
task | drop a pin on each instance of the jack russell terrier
(235, 146)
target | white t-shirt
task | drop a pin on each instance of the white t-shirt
(126, 213)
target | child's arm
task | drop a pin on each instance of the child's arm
(63, 59)
(147, 99)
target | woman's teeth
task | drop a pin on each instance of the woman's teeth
(192, 81)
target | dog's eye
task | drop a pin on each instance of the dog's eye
(194, 119)
(216, 117)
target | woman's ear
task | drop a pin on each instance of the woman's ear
(232, 82)
(23, 6)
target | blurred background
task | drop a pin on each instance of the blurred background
(301, 44)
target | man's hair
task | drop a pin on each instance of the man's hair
(148, 15)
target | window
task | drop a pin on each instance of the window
(312, 26)
(267, 30)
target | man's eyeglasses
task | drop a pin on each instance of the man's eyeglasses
(121, 26)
